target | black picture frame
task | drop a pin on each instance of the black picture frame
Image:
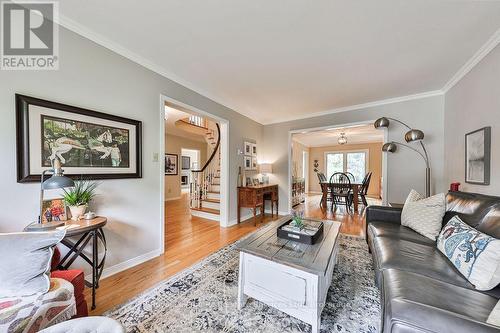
(481, 158)
(185, 162)
(168, 170)
(25, 175)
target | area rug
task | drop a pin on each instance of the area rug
(203, 298)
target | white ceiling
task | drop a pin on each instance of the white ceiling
(275, 60)
(329, 137)
(172, 115)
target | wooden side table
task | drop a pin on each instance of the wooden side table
(253, 197)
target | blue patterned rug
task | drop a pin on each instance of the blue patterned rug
(203, 298)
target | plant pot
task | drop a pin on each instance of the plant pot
(77, 211)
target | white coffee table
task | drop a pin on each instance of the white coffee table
(289, 276)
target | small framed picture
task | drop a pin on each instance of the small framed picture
(53, 210)
(171, 164)
(478, 156)
(186, 162)
(254, 163)
(256, 182)
(254, 149)
(248, 148)
(248, 163)
(248, 181)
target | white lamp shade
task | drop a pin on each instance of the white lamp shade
(266, 168)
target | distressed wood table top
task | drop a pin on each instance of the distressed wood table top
(314, 258)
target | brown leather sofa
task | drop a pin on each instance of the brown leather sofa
(421, 291)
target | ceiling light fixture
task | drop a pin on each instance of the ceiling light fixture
(342, 139)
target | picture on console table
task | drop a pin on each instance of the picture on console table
(477, 156)
(90, 143)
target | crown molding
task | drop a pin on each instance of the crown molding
(362, 106)
(132, 56)
(473, 61)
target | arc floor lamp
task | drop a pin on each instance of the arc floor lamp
(413, 135)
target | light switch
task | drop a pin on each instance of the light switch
(156, 157)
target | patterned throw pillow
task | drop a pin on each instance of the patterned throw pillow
(474, 254)
(424, 215)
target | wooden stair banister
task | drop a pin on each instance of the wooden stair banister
(205, 177)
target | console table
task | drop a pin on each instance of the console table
(254, 197)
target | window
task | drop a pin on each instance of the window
(354, 162)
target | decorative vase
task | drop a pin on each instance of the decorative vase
(240, 178)
(77, 211)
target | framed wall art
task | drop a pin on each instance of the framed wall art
(247, 160)
(186, 162)
(247, 148)
(171, 165)
(254, 163)
(478, 156)
(88, 143)
(254, 149)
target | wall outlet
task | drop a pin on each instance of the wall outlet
(156, 157)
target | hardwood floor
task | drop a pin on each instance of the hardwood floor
(190, 239)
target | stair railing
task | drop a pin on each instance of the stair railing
(204, 178)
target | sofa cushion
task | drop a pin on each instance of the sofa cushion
(392, 253)
(388, 229)
(415, 303)
(494, 317)
(26, 259)
(474, 254)
(424, 215)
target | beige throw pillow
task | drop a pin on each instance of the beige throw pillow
(424, 215)
(494, 317)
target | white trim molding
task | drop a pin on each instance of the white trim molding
(108, 271)
(472, 62)
(362, 106)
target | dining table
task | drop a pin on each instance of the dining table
(326, 187)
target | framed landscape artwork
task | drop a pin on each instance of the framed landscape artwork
(478, 156)
(88, 143)
(171, 164)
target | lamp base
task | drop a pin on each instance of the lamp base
(35, 226)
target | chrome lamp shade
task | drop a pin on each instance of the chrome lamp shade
(414, 135)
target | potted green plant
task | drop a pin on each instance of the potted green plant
(78, 197)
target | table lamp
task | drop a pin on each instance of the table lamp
(56, 181)
(264, 169)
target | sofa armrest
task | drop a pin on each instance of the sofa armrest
(384, 214)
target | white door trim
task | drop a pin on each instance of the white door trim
(224, 180)
(295, 131)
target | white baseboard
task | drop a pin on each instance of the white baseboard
(175, 198)
(108, 271)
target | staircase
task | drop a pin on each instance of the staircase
(205, 185)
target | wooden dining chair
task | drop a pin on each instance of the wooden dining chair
(364, 188)
(341, 191)
(351, 176)
(322, 179)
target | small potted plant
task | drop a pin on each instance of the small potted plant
(78, 197)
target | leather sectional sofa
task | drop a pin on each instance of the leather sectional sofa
(421, 291)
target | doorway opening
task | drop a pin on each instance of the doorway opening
(316, 154)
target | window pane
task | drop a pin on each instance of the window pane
(334, 163)
(356, 163)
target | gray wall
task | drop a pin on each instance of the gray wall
(91, 76)
(473, 103)
(406, 170)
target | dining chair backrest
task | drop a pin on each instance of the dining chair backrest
(365, 184)
(340, 182)
(351, 176)
(321, 177)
